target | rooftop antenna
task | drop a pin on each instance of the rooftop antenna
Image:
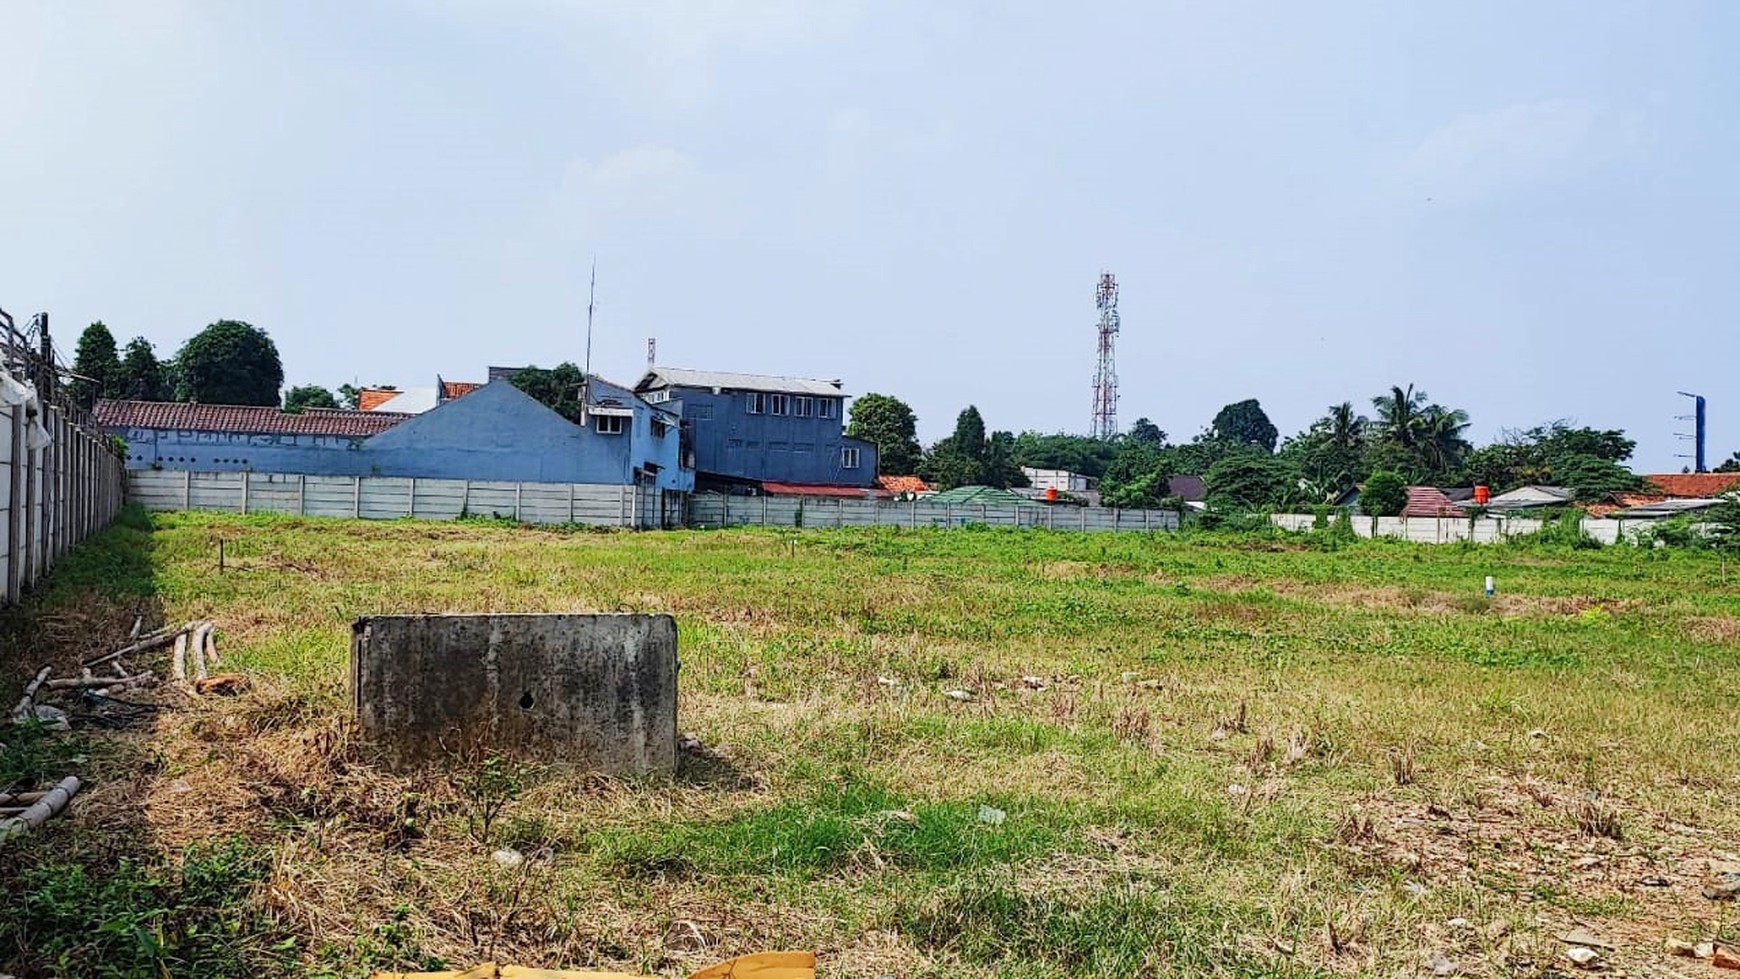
(652, 348)
(591, 303)
(1105, 416)
(1697, 435)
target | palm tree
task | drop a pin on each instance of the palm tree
(1345, 429)
(1441, 444)
(1399, 414)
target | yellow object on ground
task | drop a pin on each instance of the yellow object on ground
(762, 965)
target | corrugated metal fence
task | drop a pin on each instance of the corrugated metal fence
(393, 497)
(63, 483)
(720, 510)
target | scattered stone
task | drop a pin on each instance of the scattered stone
(1416, 888)
(964, 696)
(1654, 881)
(887, 681)
(1584, 863)
(1238, 791)
(1440, 965)
(1148, 684)
(508, 857)
(1686, 950)
(1496, 929)
(1578, 936)
(53, 718)
(1704, 950)
(1459, 924)
(1034, 682)
(1724, 888)
(992, 816)
(1218, 734)
(1585, 957)
(1724, 958)
(690, 744)
(1537, 733)
(222, 685)
(683, 935)
(1127, 676)
(899, 816)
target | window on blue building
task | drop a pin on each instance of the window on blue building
(825, 407)
(757, 402)
(803, 407)
(610, 424)
(777, 404)
(848, 457)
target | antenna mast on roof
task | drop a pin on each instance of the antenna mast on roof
(591, 302)
(1105, 417)
(652, 347)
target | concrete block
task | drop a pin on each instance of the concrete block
(595, 691)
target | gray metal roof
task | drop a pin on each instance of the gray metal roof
(1525, 497)
(726, 380)
(1664, 508)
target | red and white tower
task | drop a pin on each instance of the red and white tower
(1105, 421)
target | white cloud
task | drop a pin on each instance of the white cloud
(1487, 153)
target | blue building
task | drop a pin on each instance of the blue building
(755, 429)
(495, 433)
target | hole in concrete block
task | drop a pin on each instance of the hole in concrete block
(526, 700)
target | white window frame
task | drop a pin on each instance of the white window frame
(659, 396)
(611, 424)
(825, 407)
(803, 407)
(756, 402)
(849, 457)
(777, 404)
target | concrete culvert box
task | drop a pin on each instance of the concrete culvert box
(594, 691)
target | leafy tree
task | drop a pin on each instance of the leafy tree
(969, 458)
(1441, 444)
(1416, 438)
(230, 363)
(969, 437)
(1330, 454)
(1074, 453)
(98, 360)
(308, 396)
(1000, 468)
(1732, 465)
(1251, 481)
(1137, 478)
(1398, 415)
(350, 396)
(1147, 433)
(889, 423)
(1244, 423)
(1588, 461)
(558, 388)
(142, 376)
(1385, 494)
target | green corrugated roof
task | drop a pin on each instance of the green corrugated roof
(975, 495)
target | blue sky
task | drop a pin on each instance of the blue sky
(1529, 210)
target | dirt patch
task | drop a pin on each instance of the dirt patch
(1713, 628)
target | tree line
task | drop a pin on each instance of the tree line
(1406, 438)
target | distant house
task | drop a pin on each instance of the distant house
(1190, 489)
(1693, 486)
(1532, 497)
(413, 401)
(1061, 480)
(1423, 501)
(752, 429)
(496, 432)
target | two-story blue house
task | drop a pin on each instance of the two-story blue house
(752, 430)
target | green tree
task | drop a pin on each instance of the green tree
(1732, 465)
(1330, 454)
(229, 363)
(969, 437)
(888, 423)
(142, 376)
(1137, 477)
(1398, 415)
(970, 458)
(1385, 494)
(1587, 461)
(1147, 433)
(1073, 453)
(1244, 423)
(308, 396)
(558, 388)
(350, 396)
(1000, 468)
(1250, 481)
(96, 359)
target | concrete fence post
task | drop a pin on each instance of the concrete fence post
(411, 499)
(519, 488)
(839, 512)
(912, 514)
(356, 497)
(15, 511)
(302, 495)
(571, 491)
(245, 482)
(186, 489)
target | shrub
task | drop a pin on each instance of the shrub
(1384, 495)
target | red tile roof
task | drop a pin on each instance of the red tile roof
(243, 418)
(457, 389)
(1695, 486)
(368, 399)
(817, 489)
(1429, 501)
(903, 484)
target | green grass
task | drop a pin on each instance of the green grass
(1202, 781)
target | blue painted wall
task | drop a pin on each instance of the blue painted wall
(731, 442)
(497, 432)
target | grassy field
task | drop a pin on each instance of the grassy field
(1181, 755)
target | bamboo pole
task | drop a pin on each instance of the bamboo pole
(159, 638)
(178, 662)
(50, 805)
(24, 702)
(83, 682)
(197, 646)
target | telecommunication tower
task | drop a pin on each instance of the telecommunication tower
(1696, 436)
(1105, 420)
